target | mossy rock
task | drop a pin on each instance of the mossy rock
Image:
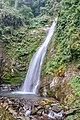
(5, 115)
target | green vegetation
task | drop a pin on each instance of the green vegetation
(22, 29)
(21, 45)
(67, 36)
(75, 101)
(75, 83)
(72, 99)
(19, 39)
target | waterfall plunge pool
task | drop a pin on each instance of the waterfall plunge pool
(26, 95)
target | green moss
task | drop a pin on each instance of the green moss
(4, 115)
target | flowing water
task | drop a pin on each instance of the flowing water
(32, 79)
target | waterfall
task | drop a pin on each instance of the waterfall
(32, 79)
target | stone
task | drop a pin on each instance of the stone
(40, 112)
(9, 87)
(56, 108)
(55, 116)
(46, 102)
(44, 91)
(5, 115)
(34, 110)
(47, 106)
(45, 117)
(28, 112)
(5, 104)
(54, 82)
(12, 111)
(9, 102)
(37, 110)
(59, 115)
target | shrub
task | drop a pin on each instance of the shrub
(10, 17)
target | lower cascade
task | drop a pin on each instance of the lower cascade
(32, 79)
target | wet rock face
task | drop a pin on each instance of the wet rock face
(8, 87)
(59, 87)
(45, 87)
(45, 109)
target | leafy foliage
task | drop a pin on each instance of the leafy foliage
(67, 36)
(75, 82)
(10, 17)
(66, 39)
(21, 45)
(26, 12)
(9, 20)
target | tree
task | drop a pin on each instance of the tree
(26, 12)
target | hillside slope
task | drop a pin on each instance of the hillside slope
(61, 69)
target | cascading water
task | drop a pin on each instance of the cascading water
(32, 79)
